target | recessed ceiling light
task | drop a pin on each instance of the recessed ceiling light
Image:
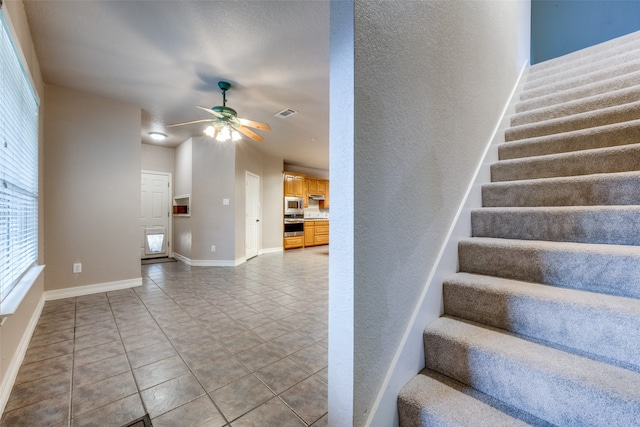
(157, 136)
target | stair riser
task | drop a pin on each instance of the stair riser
(600, 63)
(615, 189)
(599, 88)
(607, 136)
(607, 47)
(586, 162)
(606, 100)
(612, 335)
(613, 274)
(619, 114)
(557, 399)
(581, 81)
(613, 227)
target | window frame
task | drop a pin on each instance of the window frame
(21, 218)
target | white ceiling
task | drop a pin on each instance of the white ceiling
(168, 56)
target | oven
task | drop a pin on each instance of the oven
(293, 226)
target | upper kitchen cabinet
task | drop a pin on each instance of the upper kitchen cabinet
(317, 186)
(324, 204)
(294, 184)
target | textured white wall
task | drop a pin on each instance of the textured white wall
(431, 81)
(341, 254)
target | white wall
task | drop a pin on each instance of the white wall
(341, 254)
(92, 184)
(272, 205)
(247, 159)
(182, 185)
(431, 80)
(156, 158)
(212, 222)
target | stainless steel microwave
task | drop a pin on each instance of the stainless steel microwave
(293, 205)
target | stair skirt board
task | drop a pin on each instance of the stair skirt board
(541, 324)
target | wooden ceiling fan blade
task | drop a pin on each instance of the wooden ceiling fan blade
(188, 123)
(249, 133)
(254, 124)
(210, 111)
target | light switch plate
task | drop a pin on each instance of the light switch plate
(77, 267)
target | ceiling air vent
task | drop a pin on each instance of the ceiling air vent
(285, 113)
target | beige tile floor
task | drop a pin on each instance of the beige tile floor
(193, 346)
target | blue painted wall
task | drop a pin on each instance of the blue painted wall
(559, 27)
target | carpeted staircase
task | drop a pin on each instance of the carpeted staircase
(541, 326)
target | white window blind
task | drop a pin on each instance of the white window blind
(18, 166)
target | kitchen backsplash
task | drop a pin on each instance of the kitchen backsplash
(314, 211)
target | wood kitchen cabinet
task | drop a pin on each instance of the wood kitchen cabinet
(294, 242)
(294, 184)
(321, 236)
(309, 233)
(316, 233)
(324, 204)
(317, 186)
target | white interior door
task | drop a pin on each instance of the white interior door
(252, 217)
(154, 215)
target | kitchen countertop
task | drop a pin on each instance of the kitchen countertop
(316, 219)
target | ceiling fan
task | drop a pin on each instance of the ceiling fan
(226, 125)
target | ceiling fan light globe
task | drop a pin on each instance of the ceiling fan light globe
(235, 135)
(210, 131)
(224, 135)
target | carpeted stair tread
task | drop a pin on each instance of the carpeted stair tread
(542, 321)
(621, 188)
(573, 107)
(582, 139)
(624, 158)
(587, 63)
(606, 46)
(550, 314)
(601, 117)
(582, 92)
(614, 225)
(432, 399)
(556, 386)
(555, 86)
(606, 269)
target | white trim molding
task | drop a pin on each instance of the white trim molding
(9, 378)
(271, 250)
(92, 289)
(209, 262)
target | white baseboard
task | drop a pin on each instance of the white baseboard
(16, 361)
(92, 289)
(221, 262)
(409, 358)
(271, 250)
(181, 258)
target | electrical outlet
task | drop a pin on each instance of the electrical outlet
(213, 248)
(77, 267)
